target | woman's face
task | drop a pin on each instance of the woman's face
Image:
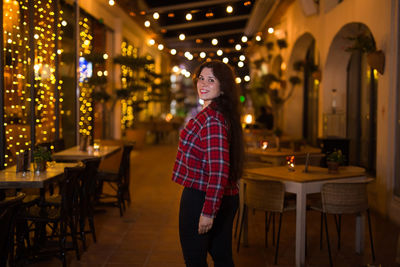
(207, 86)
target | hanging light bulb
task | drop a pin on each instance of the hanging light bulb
(202, 54)
(160, 47)
(156, 15)
(188, 16)
(219, 52)
(258, 38)
(242, 58)
(225, 60)
(214, 41)
(111, 2)
(152, 42)
(182, 37)
(229, 9)
(173, 51)
(244, 39)
(147, 23)
(238, 47)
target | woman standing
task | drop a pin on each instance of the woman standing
(209, 164)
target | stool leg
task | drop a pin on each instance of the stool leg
(370, 235)
(277, 239)
(241, 227)
(327, 240)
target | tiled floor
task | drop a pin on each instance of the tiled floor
(147, 234)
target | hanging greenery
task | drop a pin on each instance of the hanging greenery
(95, 58)
(133, 63)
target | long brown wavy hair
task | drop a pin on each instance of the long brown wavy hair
(228, 104)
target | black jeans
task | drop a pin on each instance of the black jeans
(218, 241)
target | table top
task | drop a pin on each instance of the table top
(314, 173)
(9, 178)
(74, 153)
(283, 151)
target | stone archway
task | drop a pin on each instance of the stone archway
(350, 97)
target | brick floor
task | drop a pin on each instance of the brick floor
(147, 234)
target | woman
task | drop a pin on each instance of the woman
(209, 164)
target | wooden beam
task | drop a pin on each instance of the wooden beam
(205, 22)
(194, 4)
(206, 35)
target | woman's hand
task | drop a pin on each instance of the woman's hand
(205, 224)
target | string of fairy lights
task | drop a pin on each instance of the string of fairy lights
(16, 71)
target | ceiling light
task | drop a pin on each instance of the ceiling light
(247, 3)
(142, 12)
(111, 2)
(242, 58)
(152, 42)
(173, 51)
(182, 37)
(171, 15)
(156, 15)
(244, 39)
(247, 78)
(225, 60)
(238, 80)
(64, 23)
(229, 9)
(199, 41)
(160, 47)
(258, 38)
(214, 41)
(219, 52)
(270, 30)
(238, 47)
(188, 16)
(209, 14)
(105, 56)
(202, 54)
(187, 74)
(147, 23)
(240, 64)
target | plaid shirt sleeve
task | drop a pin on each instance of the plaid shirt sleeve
(214, 137)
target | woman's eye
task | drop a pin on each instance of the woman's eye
(211, 80)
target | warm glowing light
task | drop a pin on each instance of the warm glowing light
(152, 42)
(147, 23)
(36, 36)
(225, 60)
(160, 47)
(248, 118)
(229, 9)
(242, 58)
(189, 16)
(258, 38)
(175, 69)
(111, 2)
(264, 145)
(283, 66)
(238, 80)
(156, 15)
(247, 78)
(187, 74)
(214, 41)
(238, 47)
(244, 39)
(64, 23)
(219, 52)
(99, 73)
(240, 64)
(173, 51)
(182, 37)
(270, 30)
(202, 54)
(105, 56)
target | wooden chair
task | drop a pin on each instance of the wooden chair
(88, 199)
(8, 213)
(118, 181)
(343, 198)
(268, 196)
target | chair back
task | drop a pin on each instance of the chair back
(344, 198)
(124, 167)
(70, 191)
(88, 184)
(8, 212)
(264, 195)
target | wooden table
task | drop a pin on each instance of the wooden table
(276, 158)
(74, 154)
(301, 184)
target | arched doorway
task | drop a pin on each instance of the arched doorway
(355, 98)
(303, 64)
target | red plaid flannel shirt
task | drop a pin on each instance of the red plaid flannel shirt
(202, 160)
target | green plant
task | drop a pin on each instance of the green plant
(362, 42)
(41, 154)
(336, 156)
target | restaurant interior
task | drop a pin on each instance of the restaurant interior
(94, 94)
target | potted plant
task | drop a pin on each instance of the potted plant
(40, 157)
(334, 160)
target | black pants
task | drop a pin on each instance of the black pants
(218, 241)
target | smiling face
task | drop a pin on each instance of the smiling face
(208, 86)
